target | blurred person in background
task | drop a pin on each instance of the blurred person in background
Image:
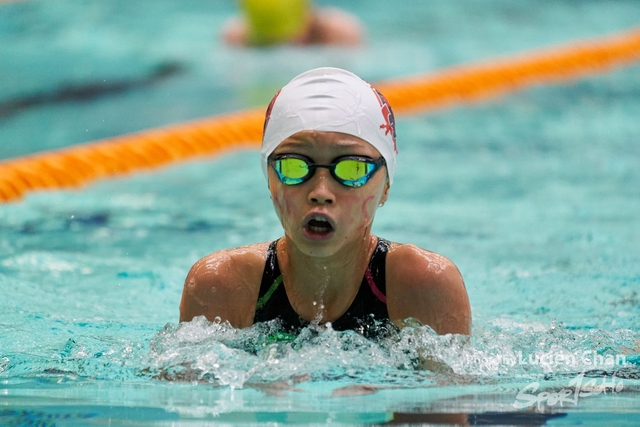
(297, 22)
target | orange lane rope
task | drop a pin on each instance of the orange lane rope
(75, 166)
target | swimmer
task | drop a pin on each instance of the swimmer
(272, 22)
(329, 156)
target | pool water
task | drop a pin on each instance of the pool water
(535, 196)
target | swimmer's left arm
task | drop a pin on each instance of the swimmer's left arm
(427, 287)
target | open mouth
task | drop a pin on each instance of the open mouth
(318, 226)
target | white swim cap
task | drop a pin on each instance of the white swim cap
(332, 100)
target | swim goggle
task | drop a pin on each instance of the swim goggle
(352, 171)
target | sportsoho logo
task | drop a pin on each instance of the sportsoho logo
(577, 388)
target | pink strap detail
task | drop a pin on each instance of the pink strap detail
(373, 287)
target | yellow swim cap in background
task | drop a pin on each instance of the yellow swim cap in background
(275, 21)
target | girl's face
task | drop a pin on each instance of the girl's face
(320, 216)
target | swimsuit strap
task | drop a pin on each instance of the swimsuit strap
(271, 277)
(370, 304)
(272, 300)
(376, 270)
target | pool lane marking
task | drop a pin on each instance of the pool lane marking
(485, 80)
(77, 165)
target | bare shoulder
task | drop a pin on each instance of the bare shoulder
(233, 264)
(414, 262)
(225, 284)
(428, 287)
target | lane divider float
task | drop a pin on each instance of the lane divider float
(77, 165)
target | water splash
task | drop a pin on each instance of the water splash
(510, 352)
(215, 353)
(413, 357)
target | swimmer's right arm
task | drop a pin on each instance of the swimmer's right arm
(225, 285)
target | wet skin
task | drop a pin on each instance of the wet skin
(323, 255)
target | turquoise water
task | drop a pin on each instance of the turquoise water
(535, 196)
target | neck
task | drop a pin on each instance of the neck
(322, 289)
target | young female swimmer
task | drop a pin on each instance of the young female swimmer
(329, 155)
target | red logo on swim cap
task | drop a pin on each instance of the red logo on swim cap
(267, 115)
(389, 126)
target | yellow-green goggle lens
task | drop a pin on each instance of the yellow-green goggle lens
(292, 169)
(352, 170)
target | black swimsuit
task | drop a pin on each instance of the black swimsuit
(369, 305)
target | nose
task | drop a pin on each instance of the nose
(320, 192)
